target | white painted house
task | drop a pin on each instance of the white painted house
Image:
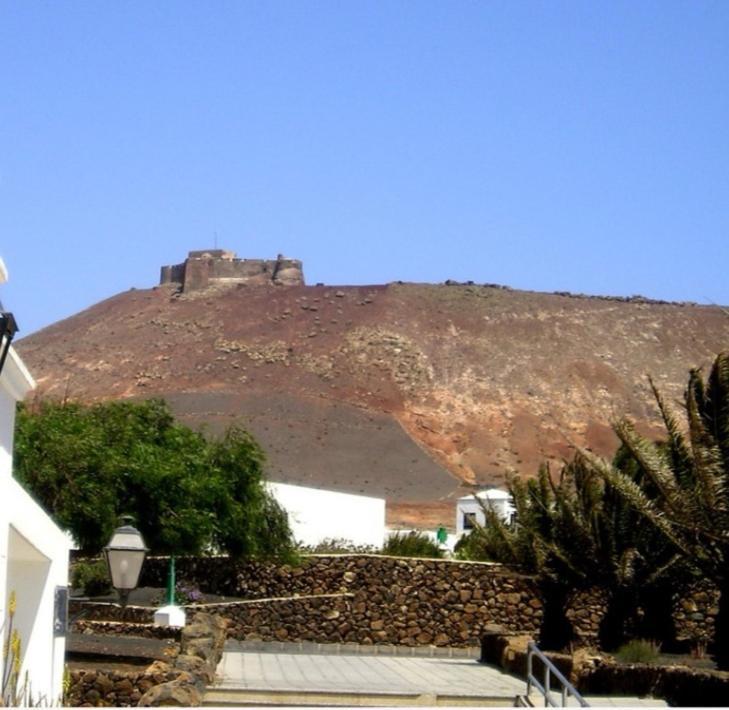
(33, 551)
(470, 508)
(316, 515)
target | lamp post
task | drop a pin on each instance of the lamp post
(170, 614)
(8, 329)
(125, 555)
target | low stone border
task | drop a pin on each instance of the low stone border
(201, 648)
(595, 674)
(351, 649)
(181, 681)
(109, 611)
(124, 628)
(680, 686)
(93, 688)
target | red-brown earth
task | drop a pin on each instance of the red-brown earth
(408, 391)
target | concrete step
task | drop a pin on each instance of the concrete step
(536, 699)
(235, 697)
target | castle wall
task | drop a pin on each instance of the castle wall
(202, 269)
(197, 275)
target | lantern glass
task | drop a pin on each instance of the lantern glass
(125, 555)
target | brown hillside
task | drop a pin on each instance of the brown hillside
(406, 391)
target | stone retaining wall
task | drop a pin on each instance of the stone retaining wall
(694, 614)
(585, 609)
(323, 619)
(404, 601)
(393, 600)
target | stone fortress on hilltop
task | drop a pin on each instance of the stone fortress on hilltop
(218, 267)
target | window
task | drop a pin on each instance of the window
(469, 521)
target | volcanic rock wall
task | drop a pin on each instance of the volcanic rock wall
(377, 599)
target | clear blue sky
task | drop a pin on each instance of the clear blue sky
(578, 146)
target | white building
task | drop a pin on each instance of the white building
(33, 551)
(470, 508)
(316, 515)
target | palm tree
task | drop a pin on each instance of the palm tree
(684, 492)
(575, 534)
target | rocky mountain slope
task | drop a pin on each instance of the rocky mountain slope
(413, 392)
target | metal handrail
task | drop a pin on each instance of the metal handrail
(549, 670)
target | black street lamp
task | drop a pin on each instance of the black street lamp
(8, 328)
(125, 555)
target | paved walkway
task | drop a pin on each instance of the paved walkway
(274, 674)
(297, 672)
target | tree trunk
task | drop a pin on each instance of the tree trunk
(556, 631)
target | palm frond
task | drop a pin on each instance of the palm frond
(707, 462)
(715, 406)
(633, 493)
(657, 468)
(680, 450)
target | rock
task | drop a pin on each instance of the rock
(158, 667)
(196, 667)
(144, 684)
(92, 696)
(195, 631)
(377, 625)
(124, 686)
(104, 684)
(204, 648)
(175, 693)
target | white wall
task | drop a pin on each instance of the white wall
(7, 422)
(33, 553)
(496, 500)
(316, 515)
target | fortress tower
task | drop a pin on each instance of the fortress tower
(218, 267)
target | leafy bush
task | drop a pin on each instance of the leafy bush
(411, 544)
(637, 651)
(92, 576)
(472, 546)
(88, 465)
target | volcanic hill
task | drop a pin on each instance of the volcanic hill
(411, 392)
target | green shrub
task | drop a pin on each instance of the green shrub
(411, 544)
(637, 651)
(89, 465)
(92, 576)
(480, 544)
